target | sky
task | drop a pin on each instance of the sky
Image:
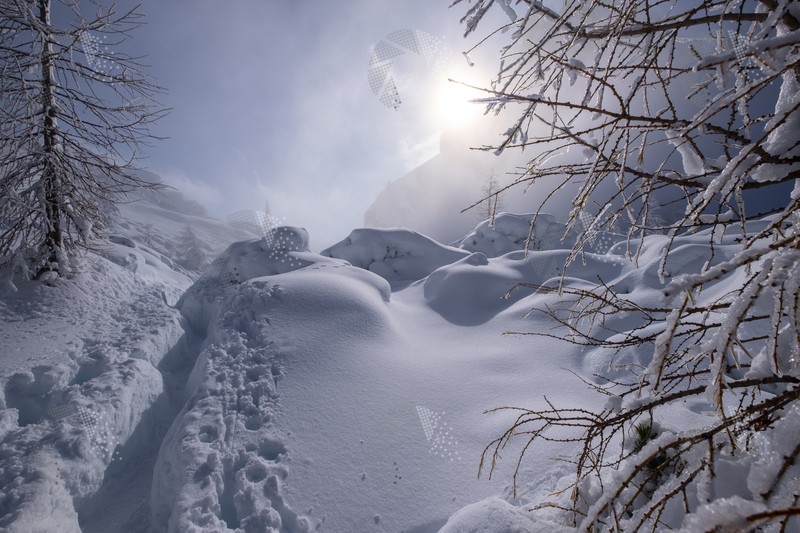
(271, 102)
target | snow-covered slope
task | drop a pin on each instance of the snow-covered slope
(289, 391)
(80, 374)
(85, 370)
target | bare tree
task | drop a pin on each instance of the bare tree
(491, 203)
(644, 99)
(74, 117)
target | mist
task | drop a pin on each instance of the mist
(271, 105)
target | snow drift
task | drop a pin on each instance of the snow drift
(289, 391)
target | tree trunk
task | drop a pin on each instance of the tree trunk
(53, 238)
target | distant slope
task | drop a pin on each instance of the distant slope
(157, 219)
(430, 198)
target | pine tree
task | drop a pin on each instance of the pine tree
(189, 250)
(147, 234)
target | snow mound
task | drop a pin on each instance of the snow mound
(223, 462)
(494, 515)
(282, 250)
(510, 232)
(473, 290)
(394, 254)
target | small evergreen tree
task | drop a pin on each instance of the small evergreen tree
(147, 234)
(189, 251)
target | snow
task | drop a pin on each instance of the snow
(473, 290)
(495, 515)
(693, 164)
(509, 11)
(395, 254)
(92, 349)
(510, 232)
(783, 130)
(727, 514)
(293, 391)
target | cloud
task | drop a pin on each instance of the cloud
(413, 151)
(294, 207)
(207, 195)
(271, 102)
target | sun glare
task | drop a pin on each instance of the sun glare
(453, 104)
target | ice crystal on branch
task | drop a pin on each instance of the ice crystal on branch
(668, 134)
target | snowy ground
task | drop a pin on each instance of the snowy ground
(291, 391)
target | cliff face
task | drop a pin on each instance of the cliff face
(429, 199)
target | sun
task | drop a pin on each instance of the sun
(453, 104)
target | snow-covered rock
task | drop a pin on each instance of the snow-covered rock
(494, 515)
(510, 232)
(395, 254)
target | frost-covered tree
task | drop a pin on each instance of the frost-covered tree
(73, 116)
(189, 250)
(147, 234)
(491, 203)
(647, 103)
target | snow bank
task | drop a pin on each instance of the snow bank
(394, 254)
(510, 232)
(93, 382)
(223, 462)
(494, 515)
(85, 391)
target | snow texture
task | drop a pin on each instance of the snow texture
(494, 515)
(287, 391)
(394, 254)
